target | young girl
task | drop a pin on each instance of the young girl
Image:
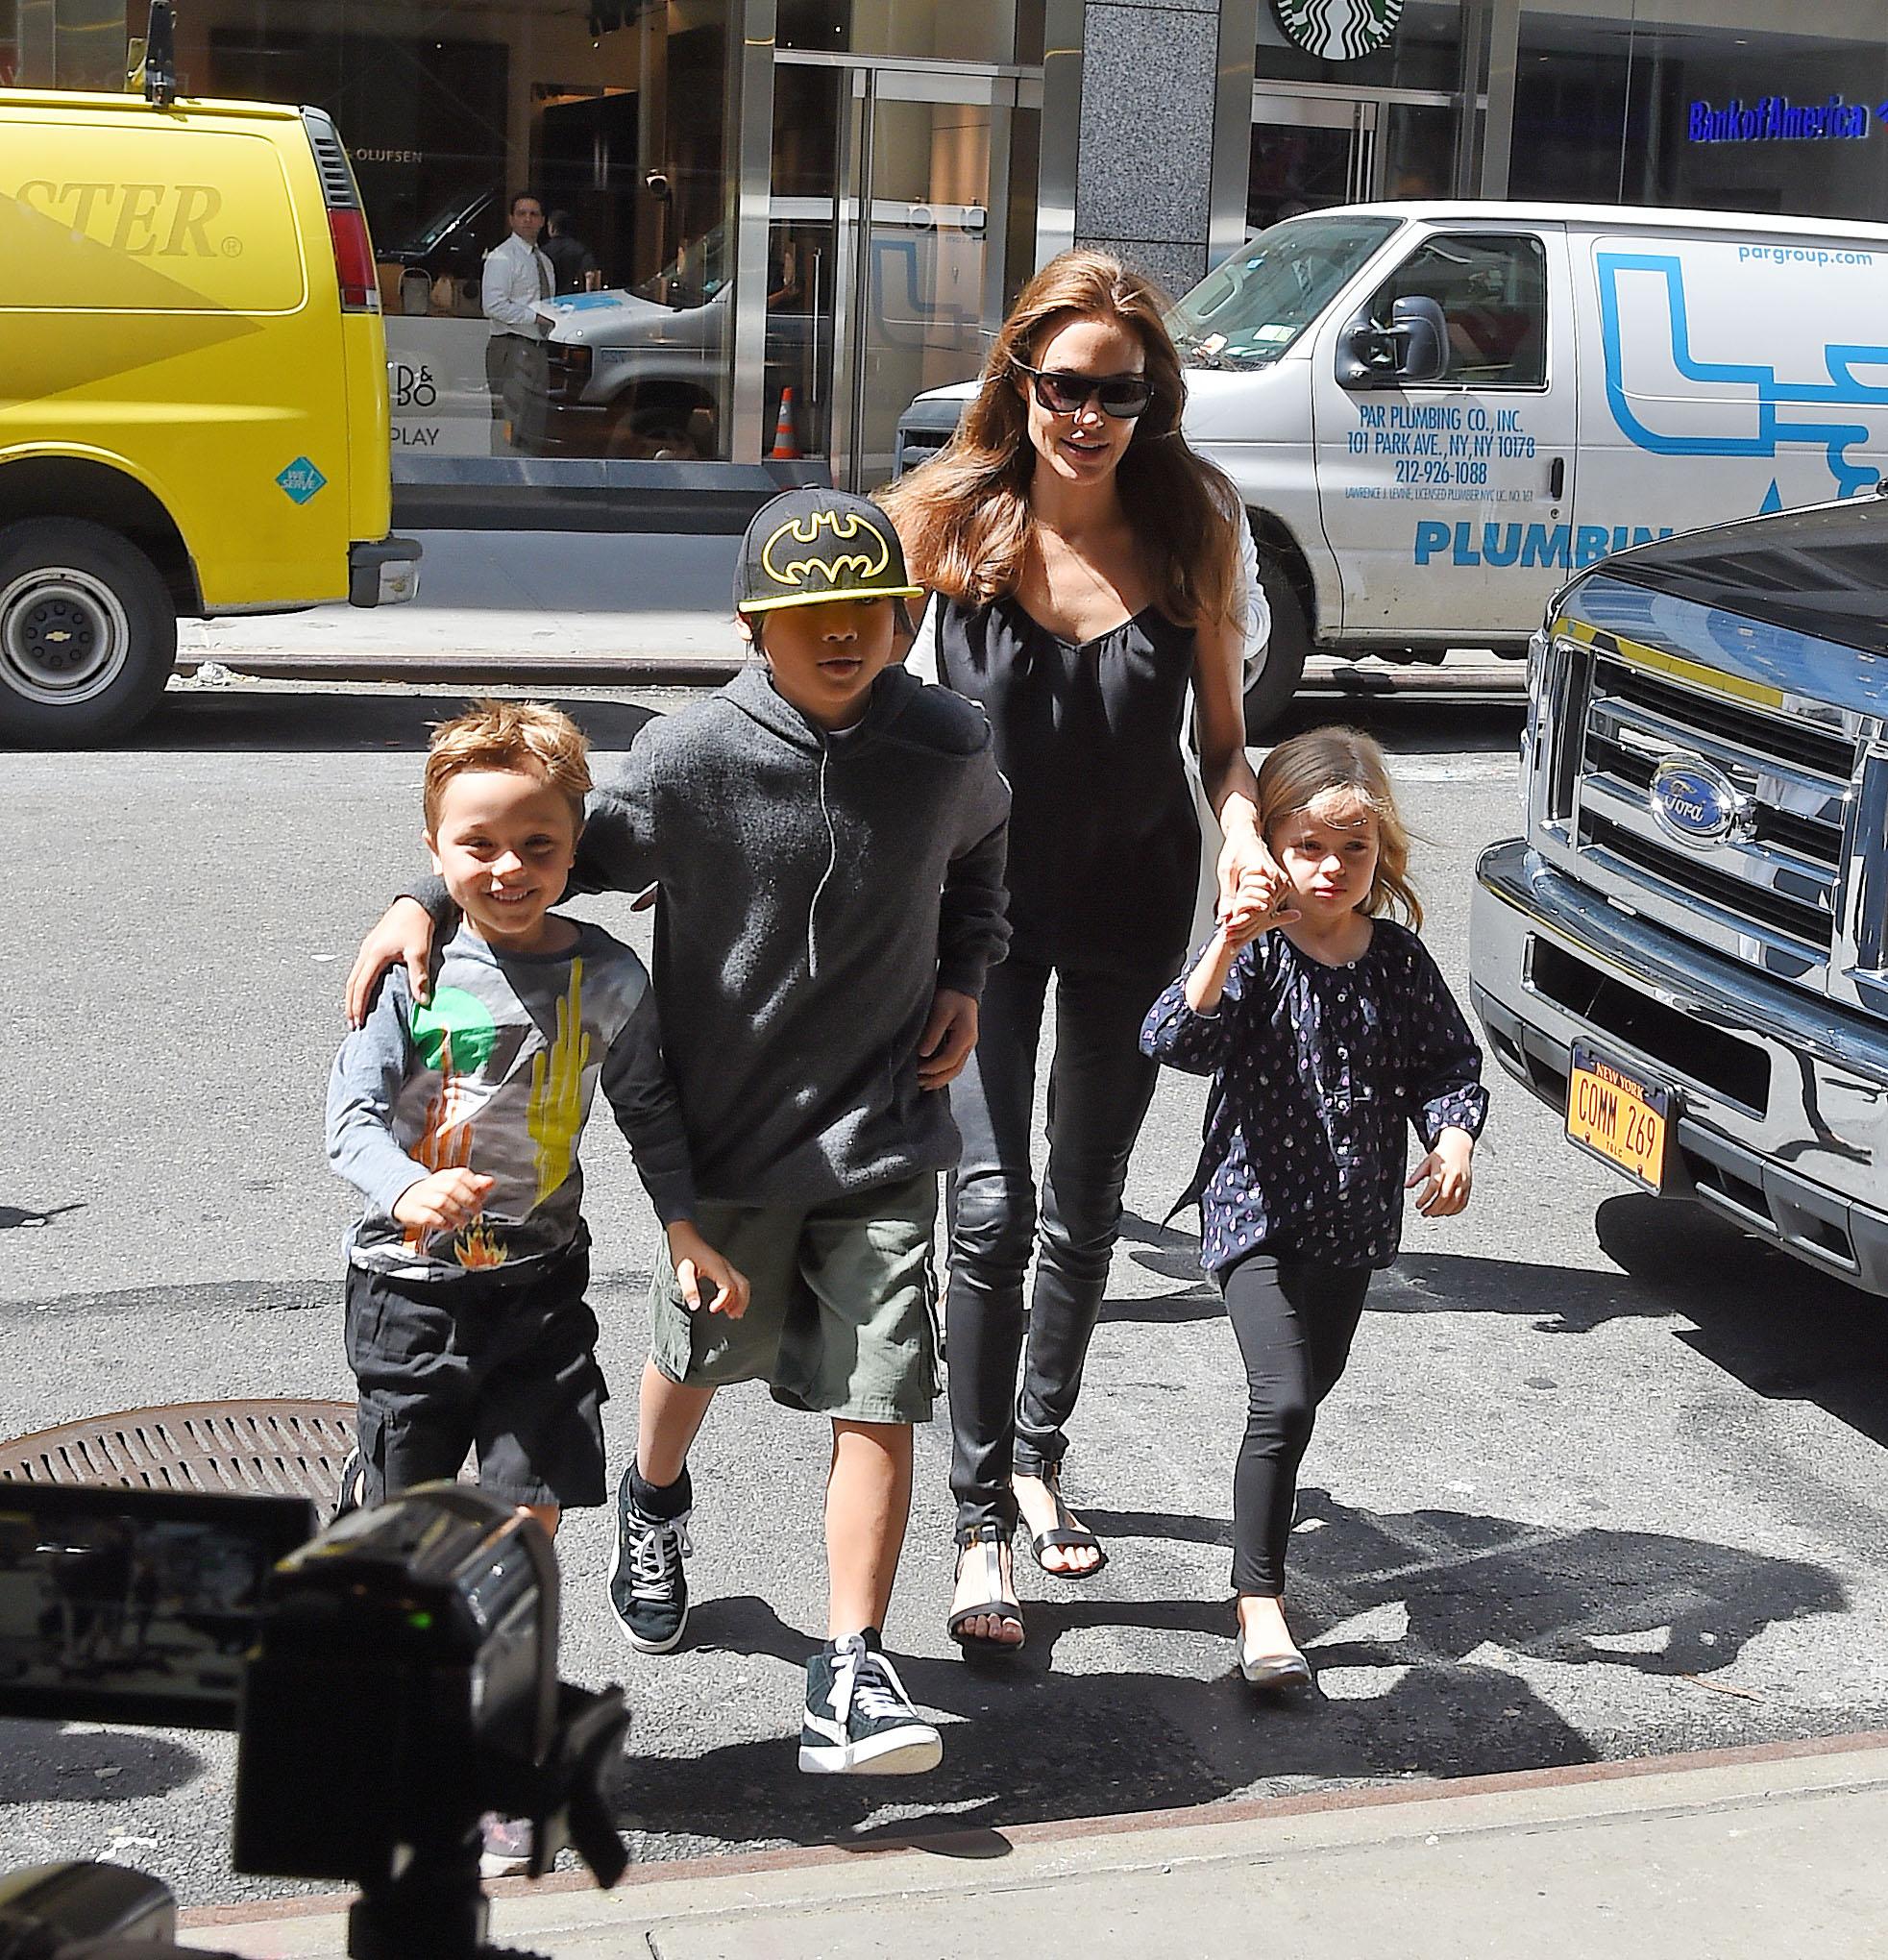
(1325, 1027)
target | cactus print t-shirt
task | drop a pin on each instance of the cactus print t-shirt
(496, 1074)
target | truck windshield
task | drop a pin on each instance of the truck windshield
(448, 219)
(699, 273)
(1246, 313)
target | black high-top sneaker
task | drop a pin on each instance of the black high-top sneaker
(859, 1720)
(648, 1590)
(350, 1487)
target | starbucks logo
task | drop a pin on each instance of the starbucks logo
(1338, 30)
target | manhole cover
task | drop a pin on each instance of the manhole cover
(265, 1448)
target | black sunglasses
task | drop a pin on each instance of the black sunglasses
(1062, 393)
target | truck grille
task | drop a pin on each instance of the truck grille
(1771, 890)
(917, 446)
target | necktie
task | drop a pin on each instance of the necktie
(542, 265)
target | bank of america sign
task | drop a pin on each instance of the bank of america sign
(1776, 119)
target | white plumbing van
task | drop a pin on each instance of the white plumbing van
(1436, 414)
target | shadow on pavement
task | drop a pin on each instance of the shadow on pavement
(257, 719)
(1780, 1328)
(1167, 1525)
(1174, 1255)
(1200, 1301)
(1406, 1617)
(1576, 1596)
(43, 1762)
(19, 1217)
(289, 722)
(1789, 1333)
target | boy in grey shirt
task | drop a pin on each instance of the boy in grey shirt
(458, 1119)
(827, 837)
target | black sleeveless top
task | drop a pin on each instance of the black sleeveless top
(1104, 844)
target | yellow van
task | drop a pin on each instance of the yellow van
(193, 392)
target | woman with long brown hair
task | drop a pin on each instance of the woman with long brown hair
(1087, 572)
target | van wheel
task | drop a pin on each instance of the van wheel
(87, 634)
(1269, 696)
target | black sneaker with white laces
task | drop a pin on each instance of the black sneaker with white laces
(350, 1487)
(648, 1590)
(859, 1720)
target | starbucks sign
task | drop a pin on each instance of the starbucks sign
(1338, 30)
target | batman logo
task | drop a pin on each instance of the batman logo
(786, 565)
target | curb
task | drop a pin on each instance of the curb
(1125, 1827)
(1324, 678)
(466, 670)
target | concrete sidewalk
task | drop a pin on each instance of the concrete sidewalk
(1775, 1852)
(545, 603)
(568, 609)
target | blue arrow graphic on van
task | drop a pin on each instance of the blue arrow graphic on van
(1758, 387)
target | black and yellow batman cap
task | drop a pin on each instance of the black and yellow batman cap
(811, 546)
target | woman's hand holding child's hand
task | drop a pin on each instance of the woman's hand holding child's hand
(1242, 857)
(1261, 900)
(695, 1261)
(1444, 1176)
(1257, 904)
(1249, 876)
(444, 1201)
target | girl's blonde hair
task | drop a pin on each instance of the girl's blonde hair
(1343, 765)
(965, 517)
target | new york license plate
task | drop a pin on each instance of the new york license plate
(1618, 1115)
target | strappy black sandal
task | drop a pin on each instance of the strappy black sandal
(1067, 1535)
(989, 1540)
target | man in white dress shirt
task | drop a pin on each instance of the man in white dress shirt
(517, 371)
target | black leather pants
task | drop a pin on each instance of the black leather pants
(1100, 1085)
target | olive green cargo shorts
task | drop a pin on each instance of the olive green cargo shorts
(843, 1321)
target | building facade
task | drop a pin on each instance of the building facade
(783, 218)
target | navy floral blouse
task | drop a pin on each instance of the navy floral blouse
(1317, 1069)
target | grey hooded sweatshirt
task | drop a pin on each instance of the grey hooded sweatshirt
(815, 892)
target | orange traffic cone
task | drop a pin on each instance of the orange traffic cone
(785, 449)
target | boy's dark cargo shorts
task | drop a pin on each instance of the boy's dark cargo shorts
(507, 1365)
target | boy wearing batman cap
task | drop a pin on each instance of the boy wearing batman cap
(826, 834)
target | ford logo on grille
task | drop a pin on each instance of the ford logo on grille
(1693, 801)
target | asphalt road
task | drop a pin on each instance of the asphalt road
(1604, 1480)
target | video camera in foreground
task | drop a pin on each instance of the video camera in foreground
(389, 1682)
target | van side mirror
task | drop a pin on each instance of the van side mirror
(1422, 340)
(1412, 349)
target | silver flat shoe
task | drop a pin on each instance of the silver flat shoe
(1287, 1670)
